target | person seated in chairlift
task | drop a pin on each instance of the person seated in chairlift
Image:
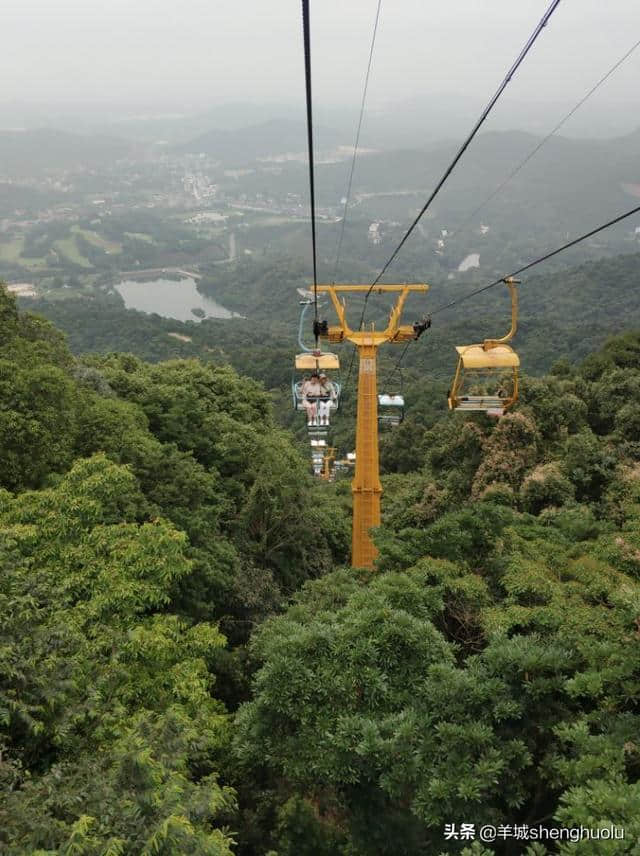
(311, 392)
(328, 396)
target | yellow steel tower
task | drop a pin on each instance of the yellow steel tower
(366, 485)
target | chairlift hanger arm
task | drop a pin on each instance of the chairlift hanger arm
(492, 343)
(305, 305)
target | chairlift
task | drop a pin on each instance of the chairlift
(328, 464)
(314, 361)
(345, 465)
(486, 379)
(391, 406)
(390, 410)
(308, 363)
(318, 452)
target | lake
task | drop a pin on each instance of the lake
(471, 261)
(170, 298)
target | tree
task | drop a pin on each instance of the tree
(106, 694)
(36, 423)
(392, 703)
(589, 465)
(545, 486)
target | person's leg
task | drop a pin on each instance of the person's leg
(310, 408)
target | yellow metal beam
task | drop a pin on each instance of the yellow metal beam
(329, 458)
(366, 486)
(511, 283)
(376, 288)
(392, 332)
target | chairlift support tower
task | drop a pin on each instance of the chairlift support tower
(327, 464)
(366, 486)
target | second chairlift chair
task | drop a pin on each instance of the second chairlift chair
(486, 378)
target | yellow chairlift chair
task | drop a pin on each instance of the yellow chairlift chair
(486, 379)
(315, 362)
(307, 363)
(390, 410)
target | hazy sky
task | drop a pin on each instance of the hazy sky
(213, 50)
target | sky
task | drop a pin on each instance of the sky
(185, 53)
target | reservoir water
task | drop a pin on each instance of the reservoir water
(171, 298)
(471, 261)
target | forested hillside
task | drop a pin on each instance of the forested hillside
(24, 152)
(150, 517)
(187, 666)
(564, 314)
(488, 671)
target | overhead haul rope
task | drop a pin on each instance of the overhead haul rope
(357, 142)
(398, 365)
(312, 190)
(539, 260)
(545, 140)
(484, 115)
(526, 267)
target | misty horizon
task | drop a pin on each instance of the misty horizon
(77, 60)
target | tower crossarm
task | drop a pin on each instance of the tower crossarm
(405, 333)
(394, 332)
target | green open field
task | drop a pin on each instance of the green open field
(10, 251)
(69, 249)
(140, 236)
(33, 264)
(97, 240)
(271, 220)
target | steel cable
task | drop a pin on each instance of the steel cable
(357, 142)
(515, 273)
(546, 139)
(483, 117)
(312, 192)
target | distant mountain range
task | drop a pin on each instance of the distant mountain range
(274, 137)
(569, 184)
(399, 123)
(24, 152)
(573, 182)
(588, 177)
